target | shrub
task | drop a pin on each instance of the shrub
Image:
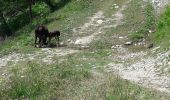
(40, 9)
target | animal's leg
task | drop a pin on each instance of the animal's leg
(40, 42)
(49, 41)
(45, 41)
(35, 41)
(57, 38)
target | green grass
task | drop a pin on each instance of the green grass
(141, 20)
(72, 77)
(39, 81)
(123, 90)
(31, 80)
(161, 36)
(76, 76)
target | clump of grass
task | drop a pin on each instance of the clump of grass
(102, 43)
(27, 84)
(124, 90)
(136, 36)
(162, 35)
(37, 80)
(149, 24)
(22, 43)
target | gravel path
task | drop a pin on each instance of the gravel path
(97, 24)
(44, 55)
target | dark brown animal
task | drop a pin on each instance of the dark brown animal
(55, 34)
(41, 32)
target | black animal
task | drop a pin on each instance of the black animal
(41, 32)
(55, 34)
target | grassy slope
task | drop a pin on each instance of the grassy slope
(162, 36)
(72, 77)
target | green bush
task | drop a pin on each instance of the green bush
(40, 9)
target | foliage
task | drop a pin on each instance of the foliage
(163, 28)
(40, 9)
(149, 24)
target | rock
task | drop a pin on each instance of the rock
(61, 43)
(121, 37)
(113, 47)
(150, 31)
(114, 4)
(128, 43)
(116, 46)
(69, 40)
(84, 47)
(169, 63)
(116, 7)
(150, 45)
(155, 49)
(100, 21)
(4, 74)
(77, 42)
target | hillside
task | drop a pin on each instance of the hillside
(109, 50)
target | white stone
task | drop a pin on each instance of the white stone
(61, 43)
(169, 63)
(100, 21)
(121, 37)
(128, 43)
(116, 7)
(115, 4)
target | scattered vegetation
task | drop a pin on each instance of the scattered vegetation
(71, 79)
(123, 90)
(148, 22)
(162, 34)
(74, 76)
(37, 80)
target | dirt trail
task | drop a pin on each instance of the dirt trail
(46, 55)
(97, 24)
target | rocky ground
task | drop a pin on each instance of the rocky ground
(160, 5)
